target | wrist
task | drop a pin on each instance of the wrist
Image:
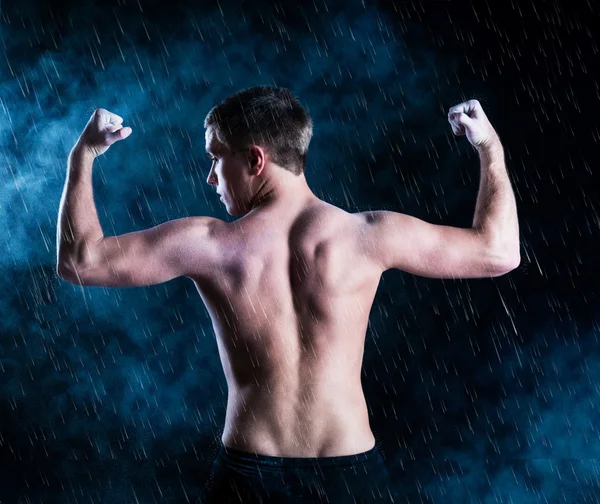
(82, 152)
(490, 144)
(80, 162)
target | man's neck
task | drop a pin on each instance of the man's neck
(282, 193)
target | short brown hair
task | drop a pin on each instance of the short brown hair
(271, 117)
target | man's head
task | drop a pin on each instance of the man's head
(256, 138)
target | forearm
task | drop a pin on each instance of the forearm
(78, 225)
(496, 210)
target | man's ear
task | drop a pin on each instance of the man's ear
(257, 159)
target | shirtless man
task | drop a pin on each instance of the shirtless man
(288, 286)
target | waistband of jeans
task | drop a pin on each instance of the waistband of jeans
(242, 458)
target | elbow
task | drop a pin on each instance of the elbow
(61, 271)
(504, 257)
(66, 274)
(63, 265)
(505, 266)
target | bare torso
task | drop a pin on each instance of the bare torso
(289, 295)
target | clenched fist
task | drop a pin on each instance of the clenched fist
(468, 118)
(102, 130)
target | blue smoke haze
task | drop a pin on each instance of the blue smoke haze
(483, 390)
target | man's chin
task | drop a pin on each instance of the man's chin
(235, 211)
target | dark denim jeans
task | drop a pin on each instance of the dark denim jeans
(241, 477)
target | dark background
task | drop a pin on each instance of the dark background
(482, 390)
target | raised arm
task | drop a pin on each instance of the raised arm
(180, 247)
(489, 248)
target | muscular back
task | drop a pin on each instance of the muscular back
(289, 297)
